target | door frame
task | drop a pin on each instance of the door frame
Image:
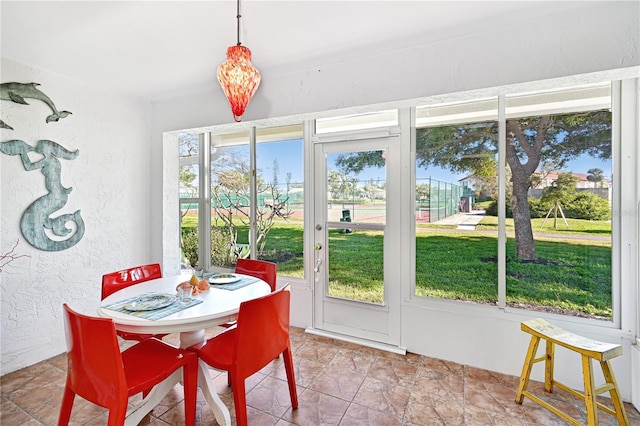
(387, 333)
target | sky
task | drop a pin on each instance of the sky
(290, 159)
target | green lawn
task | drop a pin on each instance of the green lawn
(576, 226)
(572, 276)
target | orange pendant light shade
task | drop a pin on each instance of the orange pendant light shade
(239, 79)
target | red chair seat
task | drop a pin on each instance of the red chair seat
(165, 360)
(222, 358)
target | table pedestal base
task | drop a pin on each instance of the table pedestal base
(220, 411)
(137, 413)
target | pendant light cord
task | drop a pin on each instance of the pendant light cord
(238, 16)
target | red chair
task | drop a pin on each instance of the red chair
(262, 333)
(266, 271)
(100, 373)
(115, 281)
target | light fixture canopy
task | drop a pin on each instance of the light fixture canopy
(238, 77)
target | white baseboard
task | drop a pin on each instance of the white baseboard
(363, 342)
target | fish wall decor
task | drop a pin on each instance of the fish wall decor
(37, 221)
(18, 92)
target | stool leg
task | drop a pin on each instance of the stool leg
(589, 395)
(621, 414)
(526, 369)
(548, 367)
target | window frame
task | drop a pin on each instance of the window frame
(617, 238)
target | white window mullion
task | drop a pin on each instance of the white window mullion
(253, 196)
(626, 205)
(502, 195)
(204, 203)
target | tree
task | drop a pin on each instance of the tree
(341, 185)
(230, 193)
(485, 179)
(276, 171)
(188, 149)
(557, 138)
(423, 192)
(531, 141)
(560, 192)
(595, 175)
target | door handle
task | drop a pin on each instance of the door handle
(316, 270)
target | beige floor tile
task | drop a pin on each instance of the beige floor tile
(338, 383)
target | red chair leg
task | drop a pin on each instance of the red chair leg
(117, 414)
(291, 379)
(240, 401)
(65, 408)
(190, 376)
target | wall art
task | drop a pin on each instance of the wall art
(37, 225)
(18, 92)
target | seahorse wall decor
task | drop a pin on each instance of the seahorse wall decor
(36, 219)
(18, 92)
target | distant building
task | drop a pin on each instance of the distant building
(475, 187)
(545, 179)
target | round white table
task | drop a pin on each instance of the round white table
(218, 307)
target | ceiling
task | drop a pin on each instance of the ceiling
(161, 49)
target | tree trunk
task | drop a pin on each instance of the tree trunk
(521, 179)
(525, 248)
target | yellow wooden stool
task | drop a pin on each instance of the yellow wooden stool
(603, 352)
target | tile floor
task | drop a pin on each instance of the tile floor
(338, 384)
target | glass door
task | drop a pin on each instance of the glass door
(354, 245)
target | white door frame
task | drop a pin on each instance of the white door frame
(356, 321)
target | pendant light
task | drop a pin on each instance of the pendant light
(238, 77)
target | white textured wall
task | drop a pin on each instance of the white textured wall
(110, 181)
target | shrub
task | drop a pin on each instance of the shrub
(222, 245)
(538, 208)
(222, 253)
(492, 209)
(190, 246)
(583, 205)
(589, 206)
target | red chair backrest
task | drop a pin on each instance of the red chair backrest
(266, 271)
(95, 368)
(115, 281)
(263, 331)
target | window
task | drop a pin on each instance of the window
(280, 198)
(455, 180)
(514, 211)
(234, 201)
(231, 186)
(189, 180)
(557, 207)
